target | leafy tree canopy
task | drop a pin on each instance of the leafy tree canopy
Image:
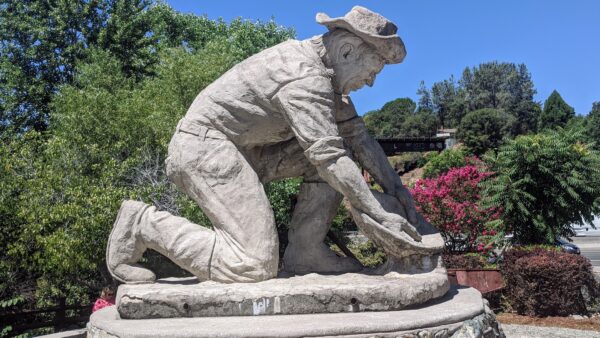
(399, 118)
(504, 86)
(556, 112)
(545, 183)
(440, 163)
(41, 42)
(484, 129)
(593, 125)
(107, 139)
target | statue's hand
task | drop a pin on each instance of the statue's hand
(397, 223)
(406, 200)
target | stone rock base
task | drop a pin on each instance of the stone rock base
(462, 312)
(313, 293)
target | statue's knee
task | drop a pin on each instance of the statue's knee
(231, 267)
(267, 268)
(260, 267)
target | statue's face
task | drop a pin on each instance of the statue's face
(357, 66)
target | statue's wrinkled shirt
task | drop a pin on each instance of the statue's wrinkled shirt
(280, 93)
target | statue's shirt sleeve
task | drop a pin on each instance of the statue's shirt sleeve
(348, 122)
(308, 104)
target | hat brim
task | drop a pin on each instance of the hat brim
(390, 47)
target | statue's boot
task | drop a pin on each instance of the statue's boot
(139, 227)
(306, 252)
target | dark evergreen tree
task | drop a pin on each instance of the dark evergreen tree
(521, 104)
(556, 112)
(495, 85)
(444, 96)
(526, 115)
(425, 102)
(592, 127)
(487, 87)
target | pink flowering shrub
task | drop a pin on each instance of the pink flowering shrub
(451, 203)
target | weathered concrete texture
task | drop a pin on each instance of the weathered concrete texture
(483, 326)
(80, 333)
(440, 319)
(399, 245)
(296, 295)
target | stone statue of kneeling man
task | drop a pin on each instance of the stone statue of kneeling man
(284, 112)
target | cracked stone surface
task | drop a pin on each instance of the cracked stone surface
(483, 326)
(311, 293)
(453, 314)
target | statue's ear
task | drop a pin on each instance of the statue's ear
(346, 51)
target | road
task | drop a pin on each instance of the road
(590, 248)
(593, 255)
(588, 240)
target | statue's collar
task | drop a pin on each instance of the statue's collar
(317, 47)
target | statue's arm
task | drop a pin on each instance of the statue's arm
(308, 105)
(371, 156)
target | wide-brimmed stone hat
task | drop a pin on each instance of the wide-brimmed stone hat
(373, 28)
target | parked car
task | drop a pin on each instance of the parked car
(567, 246)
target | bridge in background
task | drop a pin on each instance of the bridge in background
(395, 146)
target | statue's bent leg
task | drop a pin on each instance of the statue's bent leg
(140, 226)
(213, 172)
(315, 209)
(243, 246)
(306, 251)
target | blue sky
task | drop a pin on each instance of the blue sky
(559, 41)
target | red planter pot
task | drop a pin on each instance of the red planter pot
(484, 280)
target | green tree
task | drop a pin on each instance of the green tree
(386, 121)
(545, 183)
(579, 124)
(17, 156)
(126, 36)
(484, 129)
(494, 85)
(526, 115)
(40, 42)
(446, 100)
(107, 141)
(592, 128)
(556, 112)
(399, 107)
(419, 124)
(425, 102)
(174, 29)
(399, 118)
(440, 163)
(521, 104)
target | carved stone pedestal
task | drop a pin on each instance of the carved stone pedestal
(306, 294)
(460, 313)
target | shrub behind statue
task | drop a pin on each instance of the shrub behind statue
(543, 282)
